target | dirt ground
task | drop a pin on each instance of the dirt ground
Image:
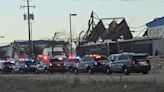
(21, 85)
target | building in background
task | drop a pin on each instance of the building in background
(156, 28)
(21, 47)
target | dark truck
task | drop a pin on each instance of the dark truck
(128, 63)
(28, 65)
(91, 64)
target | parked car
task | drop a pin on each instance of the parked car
(128, 63)
(91, 64)
(1, 65)
(56, 65)
(16, 67)
(41, 66)
(69, 63)
(7, 67)
(28, 65)
(10, 66)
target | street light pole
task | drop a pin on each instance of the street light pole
(71, 30)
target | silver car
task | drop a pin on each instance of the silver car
(41, 66)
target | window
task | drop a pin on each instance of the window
(123, 57)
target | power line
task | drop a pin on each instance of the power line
(140, 32)
(137, 27)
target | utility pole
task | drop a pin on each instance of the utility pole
(29, 17)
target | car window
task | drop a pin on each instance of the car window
(139, 57)
(17, 63)
(123, 57)
(114, 58)
(87, 58)
(84, 59)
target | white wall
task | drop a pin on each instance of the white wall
(158, 45)
(157, 31)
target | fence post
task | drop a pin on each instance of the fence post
(68, 76)
(89, 77)
(120, 80)
(29, 81)
(155, 84)
(14, 82)
(49, 82)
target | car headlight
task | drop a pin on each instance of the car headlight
(50, 64)
(95, 63)
(25, 65)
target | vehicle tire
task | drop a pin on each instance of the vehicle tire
(108, 71)
(145, 72)
(90, 71)
(76, 71)
(37, 71)
(71, 70)
(12, 71)
(125, 71)
(46, 70)
(21, 71)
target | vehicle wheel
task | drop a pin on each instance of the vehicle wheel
(76, 71)
(21, 71)
(145, 72)
(46, 70)
(90, 71)
(125, 71)
(12, 71)
(108, 71)
(37, 71)
(71, 70)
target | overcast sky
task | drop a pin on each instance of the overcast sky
(53, 16)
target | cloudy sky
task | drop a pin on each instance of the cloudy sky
(53, 16)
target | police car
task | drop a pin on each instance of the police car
(128, 63)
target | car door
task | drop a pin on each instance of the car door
(113, 62)
(16, 66)
(122, 59)
(85, 62)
